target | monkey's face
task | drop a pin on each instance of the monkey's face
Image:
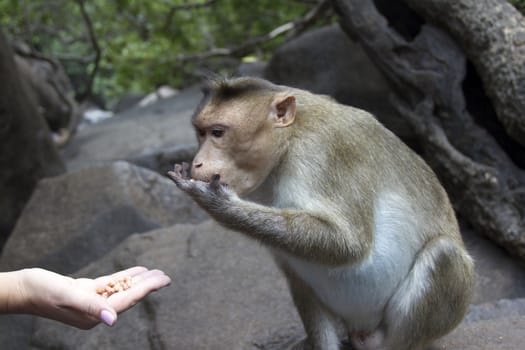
(240, 141)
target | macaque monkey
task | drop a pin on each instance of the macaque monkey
(358, 223)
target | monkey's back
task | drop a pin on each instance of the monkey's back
(349, 143)
(343, 163)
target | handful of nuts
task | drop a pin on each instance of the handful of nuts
(113, 287)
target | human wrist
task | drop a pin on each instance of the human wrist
(13, 294)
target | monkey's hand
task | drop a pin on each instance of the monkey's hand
(276, 227)
(212, 196)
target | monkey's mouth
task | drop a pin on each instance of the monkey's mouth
(183, 171)
(214, 180)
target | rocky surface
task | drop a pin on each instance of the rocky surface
(498, 276)
(105, 215)
(326, 61)
(499, 334)
(226, 294)
(76, 218)
(136, 131)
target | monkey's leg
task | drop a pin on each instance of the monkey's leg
(318, 322)
(432, 299)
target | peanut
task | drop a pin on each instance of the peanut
(117, 286)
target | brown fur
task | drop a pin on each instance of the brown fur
(352, 207)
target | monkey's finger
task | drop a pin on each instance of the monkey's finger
(174, 175)
(183, 184)
(215, 182)
(185, 167)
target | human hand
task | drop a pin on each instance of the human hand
(76, 302)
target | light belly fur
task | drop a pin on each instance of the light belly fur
(359, 293)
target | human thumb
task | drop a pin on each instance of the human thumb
(98, 307)
(109, 317)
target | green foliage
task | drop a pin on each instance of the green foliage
(142, 42)
(519, 4)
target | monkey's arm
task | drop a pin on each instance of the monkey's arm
(312, 236)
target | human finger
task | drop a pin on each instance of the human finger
(141, 286)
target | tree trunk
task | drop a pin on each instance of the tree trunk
(492, 33)
(27, 153)
(427, 72)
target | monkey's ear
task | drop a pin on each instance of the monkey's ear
(283, 110)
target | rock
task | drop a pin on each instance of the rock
(136, 131)
(27, 150)
(498, 275)
(160, 93)
(15, 331)
(251, 69)
(162, 160)
(496, 310)
(127, 102)
(96, 115)
(492, 326)
(505, 334)
(75, 218)
(226, 291)
(226, 294)
(48, 81)
(326, 61)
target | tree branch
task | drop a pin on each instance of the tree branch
(175, 8)
(497, 50)
(427, 74)
(293, 28)
(94, 43)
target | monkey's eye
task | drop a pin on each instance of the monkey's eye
(217, 132)
(201, 132)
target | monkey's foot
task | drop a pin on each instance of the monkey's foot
(367, 340)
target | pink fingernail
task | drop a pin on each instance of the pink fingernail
(107, 317)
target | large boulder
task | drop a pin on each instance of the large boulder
(162, 160)
(501, 334)
(76, 218)
(492, 326)
(27, 152)
(51, 87)
(326, 61)
(498, 275)
(504, 308)
(226, 294)
(136, 131)
(226, 291)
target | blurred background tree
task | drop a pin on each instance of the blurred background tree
(519, 4)
(133, 46)
(110, 48)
